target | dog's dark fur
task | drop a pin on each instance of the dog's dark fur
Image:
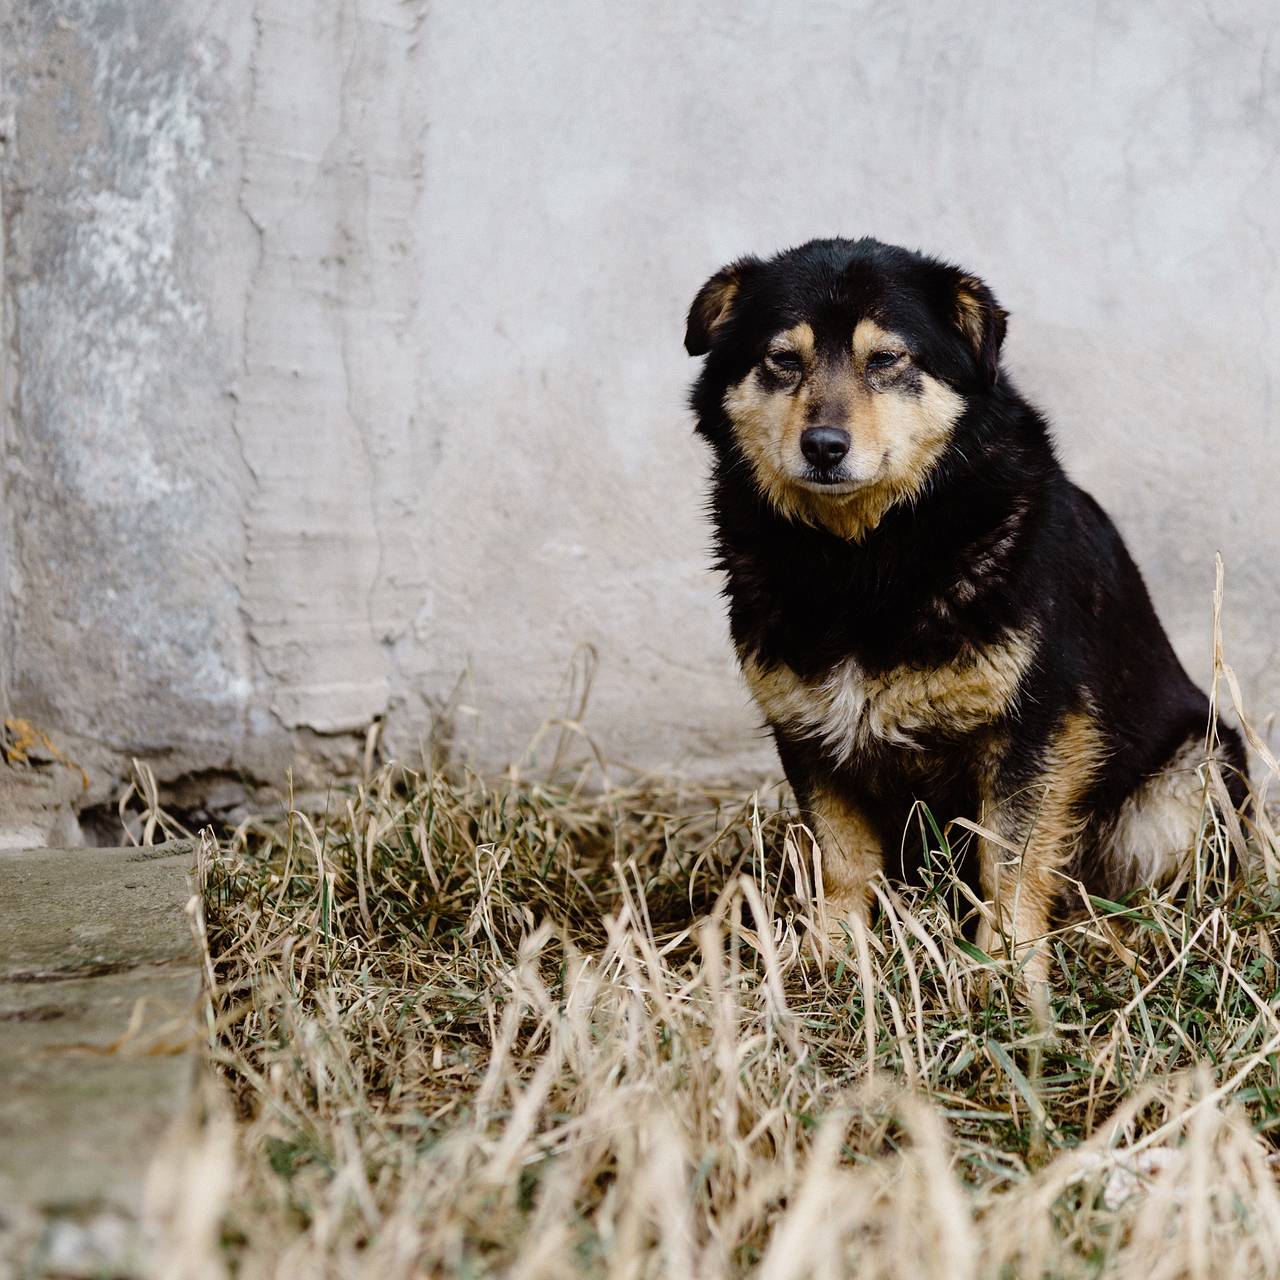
(940, 614)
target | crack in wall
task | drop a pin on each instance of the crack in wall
(341, 150)
(8, 367)
(258, 673)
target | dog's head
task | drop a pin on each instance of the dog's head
(839, 371)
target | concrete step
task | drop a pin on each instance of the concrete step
(99, 982)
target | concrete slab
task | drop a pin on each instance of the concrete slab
(98, 983)
(73, 912)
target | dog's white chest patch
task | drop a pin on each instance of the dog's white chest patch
(844, 711)
(848, 709)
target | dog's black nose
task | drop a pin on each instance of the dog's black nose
(824, 446)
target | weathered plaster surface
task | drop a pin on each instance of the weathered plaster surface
(123, 484)
(344, 336)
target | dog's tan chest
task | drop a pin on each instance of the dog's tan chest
(849, 709)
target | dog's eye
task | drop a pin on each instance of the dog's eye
(883, 359)
(787, 363)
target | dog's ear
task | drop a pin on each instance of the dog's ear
(982, 321)
(714, 305)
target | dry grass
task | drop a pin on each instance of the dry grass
(525, 1030)
(519, 1030)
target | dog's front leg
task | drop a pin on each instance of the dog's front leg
(1018, 883)
(1038, 829)
(851, 856)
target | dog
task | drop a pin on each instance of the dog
(924, 606)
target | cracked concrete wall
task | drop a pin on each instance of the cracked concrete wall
(344, 336)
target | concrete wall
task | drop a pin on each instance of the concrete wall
(347, 335)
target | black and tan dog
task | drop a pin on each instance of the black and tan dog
(924, 606)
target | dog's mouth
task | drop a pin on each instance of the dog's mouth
(831, 483)
(837, 481)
